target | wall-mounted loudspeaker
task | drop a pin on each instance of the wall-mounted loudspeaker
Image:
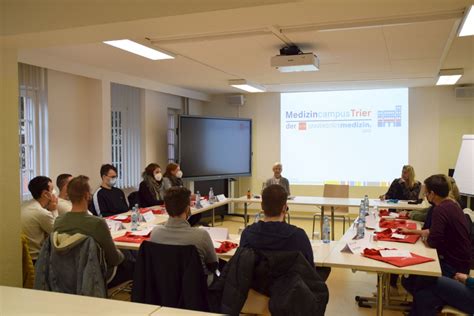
(236, 99)
(464, 91)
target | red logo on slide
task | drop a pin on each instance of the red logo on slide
(302, 126)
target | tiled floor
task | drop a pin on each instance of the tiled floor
(343, 284)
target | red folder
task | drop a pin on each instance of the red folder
(226, 246)
(386, 235)
(396, 261)
(113, 217)
(396, 223)
(129, 237)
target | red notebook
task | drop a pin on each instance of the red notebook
(129, 237)
(396, 223)
(226, 246)
(114, 217)
(386, 235)
(396, 261)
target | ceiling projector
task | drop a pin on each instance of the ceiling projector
(291, 59)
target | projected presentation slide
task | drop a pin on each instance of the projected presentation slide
(357, 137)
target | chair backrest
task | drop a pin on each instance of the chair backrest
(133, 199)
(256, 304)
(471, 235)
(170, 275)
(337, 191)
(27, 264)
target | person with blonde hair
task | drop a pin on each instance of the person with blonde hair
(278, 178)
(404, 188)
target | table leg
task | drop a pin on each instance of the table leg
(213, 217)
(245, 214)
(380, 287)
(332, 222)
(321, 222)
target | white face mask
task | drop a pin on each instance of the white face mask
(112, 182)
(179, 174)
(158, 176)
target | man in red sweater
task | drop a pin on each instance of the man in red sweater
(449, 234)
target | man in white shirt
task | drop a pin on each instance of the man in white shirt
(64, 204)
(36, 215)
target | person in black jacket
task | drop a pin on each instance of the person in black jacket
(151, 191)
(107, 199)
(404, 188)
(286, 277)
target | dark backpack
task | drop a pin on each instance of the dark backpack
(471, 237)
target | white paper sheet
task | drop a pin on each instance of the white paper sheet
(149, 217)
(395, 253)
(217, 233)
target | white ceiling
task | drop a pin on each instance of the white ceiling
(371, 54)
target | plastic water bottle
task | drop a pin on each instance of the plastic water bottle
(362, 209)
(326, 230)
(366, 202)
(375, 212)
(257, 217)
(360, 228)
(212, 198)
(198, 200)
(134, 218)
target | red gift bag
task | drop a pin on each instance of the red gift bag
(396, 261)
(386, 235)
(226, 246)
(129, 237)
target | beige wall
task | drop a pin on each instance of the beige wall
(75, 122)
(10, 258)
(156, 125)
(437, 122)
(79, 124)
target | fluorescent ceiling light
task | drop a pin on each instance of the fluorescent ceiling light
(243, 84)
(139, 49)
(449, 76)
(467, 25)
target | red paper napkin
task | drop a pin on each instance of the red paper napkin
(226, 246)
(113, 217)
(386, 235)
(129, 237)
(401, 223)
(396, 261)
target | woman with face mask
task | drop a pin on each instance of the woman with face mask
(151, 191)
(172, 176)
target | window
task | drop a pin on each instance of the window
(33, 125)
(172, 132)
(125, 123)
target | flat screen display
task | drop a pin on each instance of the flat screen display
(212, 147)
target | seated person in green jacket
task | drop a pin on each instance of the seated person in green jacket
(79, 221)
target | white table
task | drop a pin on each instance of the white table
(18, 301)
(320, 250)
(323, 202)
(357, 262)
